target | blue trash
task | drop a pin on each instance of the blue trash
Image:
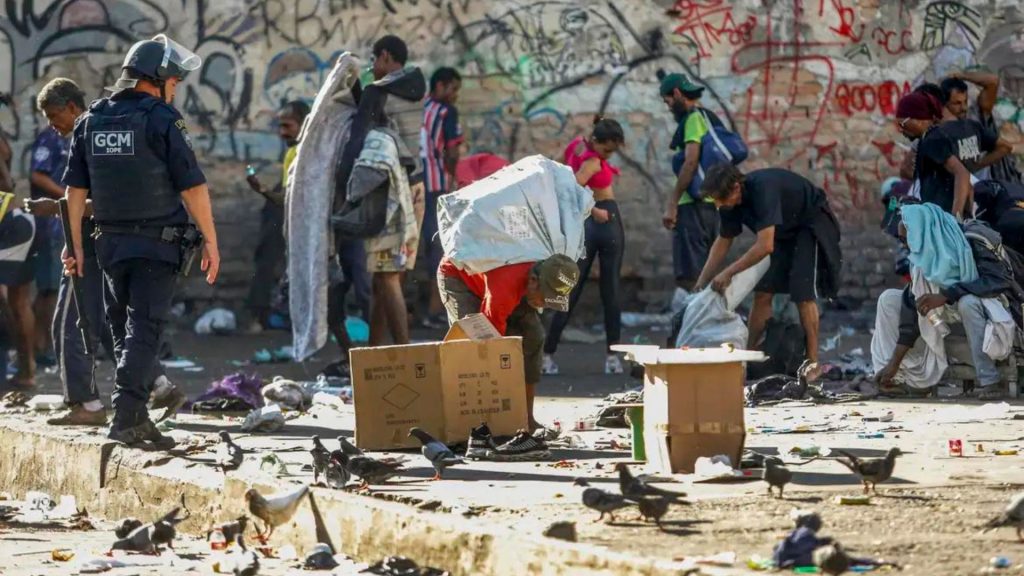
(358, 329)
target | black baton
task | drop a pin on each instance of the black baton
(76, 281)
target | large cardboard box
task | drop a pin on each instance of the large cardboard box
(446, 388)
(693, 405)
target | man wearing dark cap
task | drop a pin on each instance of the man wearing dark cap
(693, 222)
(947, 152)
(510, 297)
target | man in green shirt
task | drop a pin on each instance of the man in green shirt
(694, 223)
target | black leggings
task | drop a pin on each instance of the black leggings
(606, 241)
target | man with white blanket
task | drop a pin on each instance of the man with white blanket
(958, 275)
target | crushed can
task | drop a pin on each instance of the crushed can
(556, 425)
(956, 448)
(217, 540)
(584, 424)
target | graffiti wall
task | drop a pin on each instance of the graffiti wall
(810, 84)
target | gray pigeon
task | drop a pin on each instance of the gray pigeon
(369, 470)
(1012, 516)
(244, 562)
(654, 508)
(634, 488)
(439, 455)
(164, 529)
(321, 456)
(230, 529)
(348, 448)
(336, 475)
(602, 501)
(229, 454)
(139, 540)
(126, 527)
(871, 471)
(832, 559)
(776, 475)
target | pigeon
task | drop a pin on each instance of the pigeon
(776, 475)
(348, 448)
(274, 510)
(871, 470)
(230, 529)
(126, 527)
(243, 562)
(832, 559)
(1012, 516)
(164, 529)
(369, 470)
(654, 508)
(634, 488)
(439, 455)
(602, 501)
(139, 540)
(229, 454)
(336, 475)
(321, 456)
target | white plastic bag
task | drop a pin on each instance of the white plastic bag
(710, 319)
(525, 212)
(216, 321)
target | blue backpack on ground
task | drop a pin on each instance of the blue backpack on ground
(717, 146)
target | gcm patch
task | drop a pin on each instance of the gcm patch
(113, 143)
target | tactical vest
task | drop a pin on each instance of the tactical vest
(128, 181)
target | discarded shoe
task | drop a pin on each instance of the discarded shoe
(480, 444)
(522, 447)
(549, 367)
(167, 397)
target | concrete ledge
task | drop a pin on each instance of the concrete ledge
(113, 482)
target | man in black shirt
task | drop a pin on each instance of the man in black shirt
(794, 225)
(947, 152)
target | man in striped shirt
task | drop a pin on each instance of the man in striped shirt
(440, 138)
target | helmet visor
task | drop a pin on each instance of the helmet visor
(176, 55)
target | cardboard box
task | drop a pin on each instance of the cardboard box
(446, 388)
(693, 405)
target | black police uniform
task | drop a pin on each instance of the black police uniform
(132, 152)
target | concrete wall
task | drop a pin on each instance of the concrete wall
(810, 84)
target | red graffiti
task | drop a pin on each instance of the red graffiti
(888, 162)
(846, 17)
(893, 41)
(710, 24)
(856, 98)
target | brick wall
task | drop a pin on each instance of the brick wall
(810, 84)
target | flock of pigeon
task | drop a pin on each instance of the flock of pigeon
(338, 467)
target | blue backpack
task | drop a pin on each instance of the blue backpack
(717, 146)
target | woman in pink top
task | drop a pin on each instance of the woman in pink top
(588, 157)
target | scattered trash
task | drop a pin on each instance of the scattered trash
(956, 448)
(235, 393)
(46, 402)
(870, 435)
(643, 320)
(320, 558)
(62, 555)
(266, 419)
(178, 363)
(281, 355)
(400, 566)
(358, 329)
(14, 399)
(853, 500)
(1000, 562)
(273, 465)
(562, 530)
(216, 321)
(716, 467)
(810, 451)
(887, 417)
(1008, 452)
(857, 352)
(760, 563)
(831, 343)
(287, 394)
(325, 399)
(287, 553)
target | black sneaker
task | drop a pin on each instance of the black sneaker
(480, 444)
(522, 447)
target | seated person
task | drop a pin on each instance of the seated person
(1001, 205)
(952, 265)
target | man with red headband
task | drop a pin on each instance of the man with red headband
(947, 152)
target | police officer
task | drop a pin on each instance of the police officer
(132, 155)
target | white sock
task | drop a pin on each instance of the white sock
(93, 405)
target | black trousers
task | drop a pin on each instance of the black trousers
(606, 242)
(137, 296)
(268, 261)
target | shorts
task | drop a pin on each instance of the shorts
(695, 232)
(430, 243)
(524, 321)
(794, 268)
(46, 260)
(390, 260)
